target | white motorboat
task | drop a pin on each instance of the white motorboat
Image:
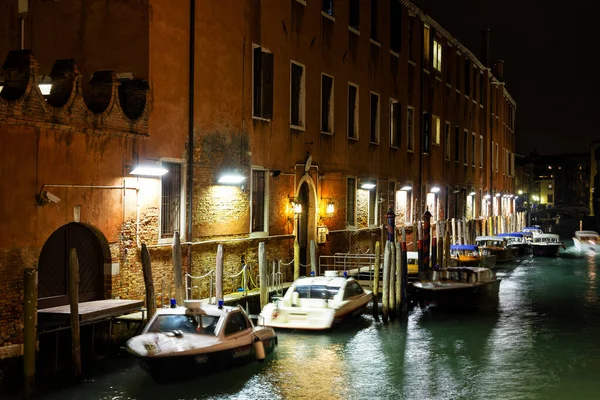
(316, 303)
(546, 244)
(534, 230)
(199, 338)
(498, 246)
(518, 241)
(586, 241)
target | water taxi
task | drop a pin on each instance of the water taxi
(587, 241)
(470, 255)
(546, 244)
(518, 241)
(498, 246)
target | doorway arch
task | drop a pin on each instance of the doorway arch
(53, 266)
(306, 228)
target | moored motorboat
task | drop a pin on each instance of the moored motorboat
(183, 341)
(470, 255)
(518, 241)
(459, 287)
(546, 244)
(498, 246)
(533, 230)
(587, 241)
(316, 303)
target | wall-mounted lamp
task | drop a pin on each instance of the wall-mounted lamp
(472, 194)
(148, 170)
(367, 185)
(487, 197)
(231, 178)
(520, 192)
(297, 208)
(498, 194)
(406, 188)
(434, 189)
(330, 208)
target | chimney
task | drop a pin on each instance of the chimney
(485, 47)
(499, 70)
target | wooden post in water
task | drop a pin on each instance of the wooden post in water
(398, 280)
(29, 329)
(219, 275)
(420, 261)
(453, 231)
(74, 308)
(178, 270)
(264, 275)
(385, 295)
(440, 244)
(434, 253)
(376, 275)
(313, 258)
(392, 278)
(296, 259)
(426, 240)
(404, 272)
(148, 282)
(446, 263)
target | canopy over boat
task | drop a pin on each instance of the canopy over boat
(467, 247)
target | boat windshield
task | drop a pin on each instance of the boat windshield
(317, 291)
(203, 324)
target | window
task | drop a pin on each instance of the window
(411, 27)
(466, 147)
(374, 15)
(170, 206)
(550, 198)
(436, 130)
(426, 47)
(327, 7)
(492, 156)
(352, 111)
(447, 144)
(480, 151)
(373, 206)
(326, 103)
(426, 124)
(481, 87)
(473, 148)
(410, 140)
(262, 83)
(458, 81)
(351, 202)
(258, 201)
(437, 55)
(395, 123)
(456, 144)
(236, 322)
(395, 26)
(374, 118)
(354, 14)
(467, 77)
(297, 94)
(497, 157)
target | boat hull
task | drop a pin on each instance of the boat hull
(457, 295)
(546, 250)
(586, 247)
(168, 368)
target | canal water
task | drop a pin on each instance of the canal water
(543, 342)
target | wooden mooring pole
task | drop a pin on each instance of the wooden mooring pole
(149, 282)
(398, 258)
(74, 309)
(264, 275)
(404, 272)
(313, 259)
(178, 270)
(296, 259)
(219, 275)
(385, 295)
(392, 281)
(376, 269)
(29, 329)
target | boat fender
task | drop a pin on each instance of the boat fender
(259, 349)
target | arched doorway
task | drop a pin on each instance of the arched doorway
(53, 266)
(306, 229)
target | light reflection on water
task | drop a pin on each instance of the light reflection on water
(541, 343)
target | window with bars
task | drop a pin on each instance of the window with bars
(351, 202)
(258, 201)
(170, 209)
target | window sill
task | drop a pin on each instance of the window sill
(426, 71)
(411, 62)
(355, 139)
(449, 85)
(165, 240)
(354, 30)
(474, 101)
(394, 147)
(409, 151)
(258, 234)
(375, 42)
(467, 96)
(438, 78)
(303, 2)
(397, 55)
(374, 143)
(261, 119)
(297, 127)
(329, 17)
(327, 133)
(447, 159)
(481, 105)
(457, 91)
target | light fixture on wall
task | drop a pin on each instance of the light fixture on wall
(487, 196)
(367, 185)
(330, 208)
(297, 208)
(148, 170)
(498, 194)
(472, 194)
(434, 189)
(231, 178)
(406, 188)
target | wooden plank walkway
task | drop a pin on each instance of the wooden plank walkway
(90, 311)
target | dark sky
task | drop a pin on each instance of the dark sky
(549, 52)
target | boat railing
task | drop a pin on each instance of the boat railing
(189, 286)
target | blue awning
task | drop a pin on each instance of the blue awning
(512, 234)
(471, 247)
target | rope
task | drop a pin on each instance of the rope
(239, 273)
(199, 277)
(305, 265)
(283, 263)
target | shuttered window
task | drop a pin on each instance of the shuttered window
(262, 86)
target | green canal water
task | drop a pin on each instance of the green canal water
(541, 343)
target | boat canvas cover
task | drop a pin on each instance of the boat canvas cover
(512, 234)
(466, 247)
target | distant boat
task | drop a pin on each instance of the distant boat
(546, 244)
(534, 230)
(517, 240)
(586, 241)
(459, 287)
(498, 246)
(316, 303)
(469, 255)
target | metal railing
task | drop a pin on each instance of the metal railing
(353, 264)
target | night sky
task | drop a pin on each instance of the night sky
(549, 69)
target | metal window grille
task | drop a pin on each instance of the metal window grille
(258, 201)
(171, 200)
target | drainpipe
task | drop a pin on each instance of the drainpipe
(422, 125)
(190, 180)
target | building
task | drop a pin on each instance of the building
(275, 121)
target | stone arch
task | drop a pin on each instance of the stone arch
(93, 255)
(309, 211)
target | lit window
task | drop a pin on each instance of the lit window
(436, 130)
(437, 55)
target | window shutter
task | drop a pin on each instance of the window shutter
(267, 89)
(257, 84)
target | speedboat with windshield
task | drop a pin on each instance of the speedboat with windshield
(546, 244)
(587, 241)
(498, 246)
(469, 255)
(518, 241)
(199, 338)
(316, 303)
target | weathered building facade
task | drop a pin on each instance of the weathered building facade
(332, 111)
